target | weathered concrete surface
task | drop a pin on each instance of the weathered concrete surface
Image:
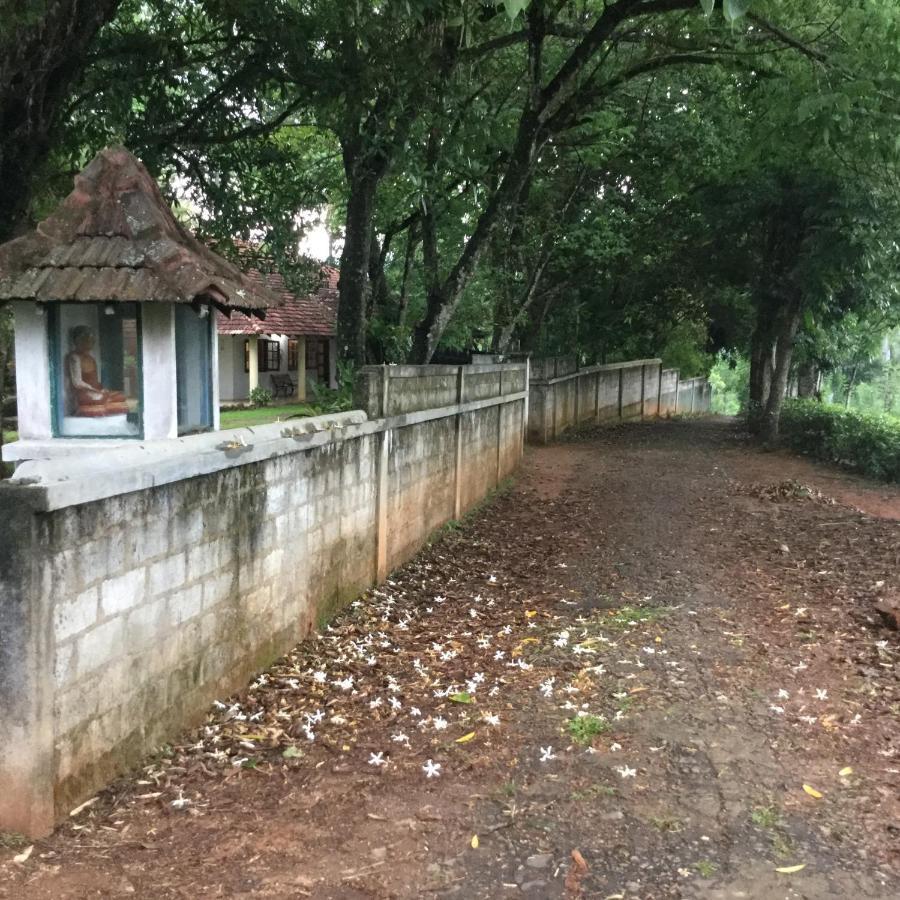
(618, 392)
(138, 585)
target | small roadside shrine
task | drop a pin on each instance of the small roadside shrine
(115, 317)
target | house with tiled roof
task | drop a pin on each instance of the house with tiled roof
(293, 346)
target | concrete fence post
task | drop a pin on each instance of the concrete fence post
(693, 391)
(526, 405)
(384, 451)
(643, 391)
(659, 393)
(460, 390)
(597, 381)
(27, 654)
(620, 392)
(551, 394)
(499, 429)
(577, 397)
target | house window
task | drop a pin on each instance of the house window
(193, 368)
(268, 355)
(292, 355)
(95, 363)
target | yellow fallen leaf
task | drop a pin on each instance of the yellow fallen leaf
(847, 770)
(474, 842)
(789, 870)
(658, 639)
(531, 640)
(812, 792)
(530, 613)
(465, 738)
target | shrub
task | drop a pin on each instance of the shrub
(867, 443)
(260, 396)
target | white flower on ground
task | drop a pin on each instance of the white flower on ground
(345, 684)
(377, 759)
(431, 769)
(649, 650)
(374, 704)
(478, 677)
(180, 802)
(821, 694)
(799, 667)
(783, 694)
(620, 714)
(547, 754)
(626, 772)
(507, 629)
(810, 720)
(615, 748)
(494, 691)
(239, 760)
(491, 719)
(415, 712)
(473, 613)
(439, 599)
(400, 738)
(320, 677)
(395, 703)
(562, 639)
(484, 643)
(800, 610)
(776, 709)
(546, 687)
(499, 655)
(492, 579)
(439, 723)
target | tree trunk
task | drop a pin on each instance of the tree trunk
(808, 380)
(850, 385)
(760, 373)
(784, 349)
(41, 57)
(354, 278)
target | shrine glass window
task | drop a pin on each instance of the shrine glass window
(96, 378)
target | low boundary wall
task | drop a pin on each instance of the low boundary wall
(618, 392)
(138, 585)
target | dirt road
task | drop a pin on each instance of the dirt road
(650, 669)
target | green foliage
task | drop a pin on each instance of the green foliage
(864, 442)
(338, 399)
(730, 380)
(583, 729)
(260, 396)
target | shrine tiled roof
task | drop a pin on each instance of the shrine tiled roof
(314, 314)
(114, 238)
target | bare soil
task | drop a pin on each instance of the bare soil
(650, 669)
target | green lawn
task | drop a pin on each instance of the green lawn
(244, 418)
(10, 436)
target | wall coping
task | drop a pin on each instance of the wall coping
(45, 485)
(608, 367)
(401, 371)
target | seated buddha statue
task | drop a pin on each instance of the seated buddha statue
(87, 396)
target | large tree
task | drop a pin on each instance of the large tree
(43, 49)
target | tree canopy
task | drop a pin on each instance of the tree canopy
(614, 178)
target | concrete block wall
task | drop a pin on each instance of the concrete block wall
(137, 587)
(631, 390)
(668, 391)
